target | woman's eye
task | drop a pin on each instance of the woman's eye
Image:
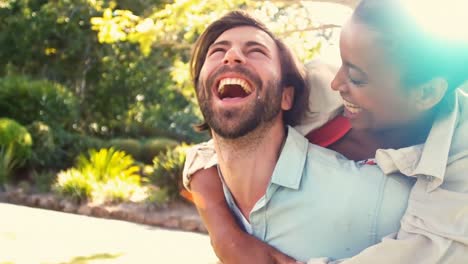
(356, 82)
(355, 78)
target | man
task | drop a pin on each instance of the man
(300, 198)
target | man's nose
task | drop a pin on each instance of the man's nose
(234, 56)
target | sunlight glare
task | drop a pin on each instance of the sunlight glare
(443, 19)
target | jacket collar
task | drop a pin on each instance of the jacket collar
(428, 159)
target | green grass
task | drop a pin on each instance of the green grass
(89, 259)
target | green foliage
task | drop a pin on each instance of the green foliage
(163, 26)
(125, 61)
(43, 148)
(108, 164)
(143, 150)
(49, 39)
(43, 180)
(56, 148)
(117, 189)
(104, 175)
(128, 145)
(28, 100)
(95, 258)
(71, 144)
(174, 28)
(158, 196)
(74, 184)
(136, 96)
(180, 22)
(54, 40)
(15, 135)
(177, 124)
(168, 168)
(116, 69)
(153, 146)
(7, 163)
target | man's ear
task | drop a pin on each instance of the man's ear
(430, 93)
(287, 98)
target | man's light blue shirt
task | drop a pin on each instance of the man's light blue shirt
(318, 203)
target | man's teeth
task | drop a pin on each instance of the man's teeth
(354, 109)
(234, 81)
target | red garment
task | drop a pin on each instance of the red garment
(331, 132)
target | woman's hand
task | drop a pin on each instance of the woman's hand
(230, 243)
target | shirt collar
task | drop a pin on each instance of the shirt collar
(289, 168)
(429, 159)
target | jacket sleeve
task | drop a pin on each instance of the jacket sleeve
(434, 228)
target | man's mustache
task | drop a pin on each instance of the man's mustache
(254, 78)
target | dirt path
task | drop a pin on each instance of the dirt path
(31, 235)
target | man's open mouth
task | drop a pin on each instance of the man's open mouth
(233, 88)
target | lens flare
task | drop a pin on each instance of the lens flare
(444, 19)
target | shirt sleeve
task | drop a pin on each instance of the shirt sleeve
(434, 228)
(198, 157)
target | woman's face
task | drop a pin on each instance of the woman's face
(370, 85)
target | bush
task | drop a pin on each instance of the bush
(144, 150)
(69, 145)
(44, 148)
(128, 145)
(177, 123)
(15, 135)
(154, 146)
(15, 147)
(108, 164)
(104, 175)
(7, 164)
(117, 190)
(74, 184)
(56, 148)
(158, 196)
(27, 100)
(168, 168)
(54, 40)
(43, 180)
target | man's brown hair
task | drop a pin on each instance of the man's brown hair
(293, 73)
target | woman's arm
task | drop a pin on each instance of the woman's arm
(434, 228)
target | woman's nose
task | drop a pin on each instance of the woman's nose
(339, 83)
(234, 56)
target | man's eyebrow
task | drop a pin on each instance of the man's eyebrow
(255, 43)
(221, 43)
(248, 44)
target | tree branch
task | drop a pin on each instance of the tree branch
(322, 27)
(348, 3)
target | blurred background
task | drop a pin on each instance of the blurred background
(97, 108)
(96, 101)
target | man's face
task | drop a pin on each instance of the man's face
(240, 82)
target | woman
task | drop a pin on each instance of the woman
(399, 90)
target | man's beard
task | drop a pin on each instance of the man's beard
(232, 124)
